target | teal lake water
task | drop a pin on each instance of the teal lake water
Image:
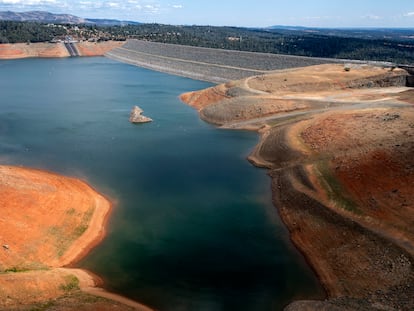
(194, 227)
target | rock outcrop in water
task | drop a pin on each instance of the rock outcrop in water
(137, 117)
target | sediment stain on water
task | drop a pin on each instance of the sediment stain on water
(193, 227)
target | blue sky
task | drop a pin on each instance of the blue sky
(317, 13)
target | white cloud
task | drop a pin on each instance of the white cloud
(28, 2)
(322, 17)
(371, 16)
(409, 14)
(113, 4)
(177, 6)
(151, 8)
(120, 9)
(313, 17)
(85, 5)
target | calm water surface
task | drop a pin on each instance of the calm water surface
(193, 227)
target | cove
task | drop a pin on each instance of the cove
(193, 226)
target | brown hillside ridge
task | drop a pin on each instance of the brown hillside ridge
(338, 142)
(49, 221)
(53, 50)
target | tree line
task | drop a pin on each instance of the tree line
(15, 32)
(300, 43)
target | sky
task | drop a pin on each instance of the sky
(251, 13)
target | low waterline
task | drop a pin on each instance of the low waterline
(194, 226)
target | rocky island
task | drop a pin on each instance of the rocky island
(338, 144)
(137, 117)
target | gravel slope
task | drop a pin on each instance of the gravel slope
(213, 65)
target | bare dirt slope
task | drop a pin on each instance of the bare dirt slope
(48, 221)
(97, 48)
(294, 90)
(338, 144)
(23, 50)
(43, 215)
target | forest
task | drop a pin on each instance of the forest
(393, 46)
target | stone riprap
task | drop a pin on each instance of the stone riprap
(213, 65)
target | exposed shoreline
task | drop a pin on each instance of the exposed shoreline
(55, 50)
(68, 217)
(254, 107)
(94, 234)
(360, 255)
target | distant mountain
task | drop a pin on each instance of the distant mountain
(40, 16)
(47, 17)
(287, 27)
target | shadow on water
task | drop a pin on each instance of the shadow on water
(194, 227)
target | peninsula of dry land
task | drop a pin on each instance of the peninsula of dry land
(47, 222)
(338, 142)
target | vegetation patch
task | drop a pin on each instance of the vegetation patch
(65, 234)
(16, 270)
(86, 219)
(70, 211)
(43, 306)
(71, 283)
(334, 189)
(79, 230)
(75, 300)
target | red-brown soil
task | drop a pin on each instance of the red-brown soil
(48, 221)
(203, 98)
(342, 174)
(23, 50)
(359, 176)
(97, 48)
(59, 290)
(370, 156)
(43, 215)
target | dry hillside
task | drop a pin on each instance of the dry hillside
(338, 143)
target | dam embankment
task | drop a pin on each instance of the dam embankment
(212, 65)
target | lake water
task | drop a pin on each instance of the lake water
(193, 227)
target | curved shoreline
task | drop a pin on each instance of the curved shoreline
(51, 208)
(360, 255)
(266, 162)
(94, 235)
(43, 195)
